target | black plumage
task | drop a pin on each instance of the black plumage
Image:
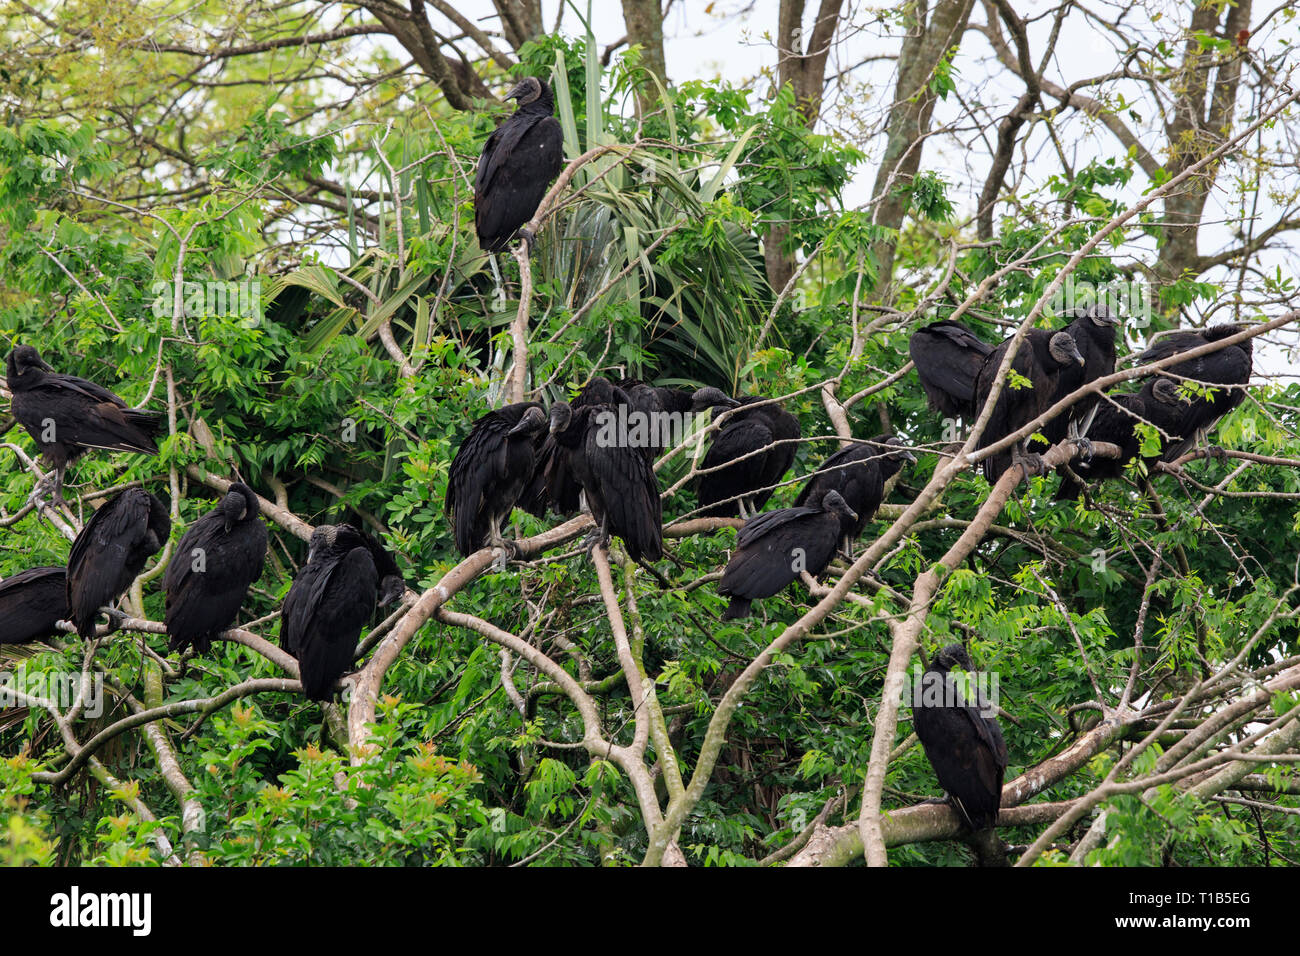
(964, 745)
(111, 550)
(1158, 404)
(1044, 358)
(774, 547)
(858, 473)
(752, 451)
(665, 411)
(347, 574)
(553, 484)
(617, 480)
(32, 603)
(66, 415)
(1229, 367)
(520, 160)
(492, 467)
(1093, 331)
(948, 358)
(217, 560)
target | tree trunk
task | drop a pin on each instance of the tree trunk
(801, 63)
(923, 48)
(645, 28)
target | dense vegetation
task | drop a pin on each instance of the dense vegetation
(331, 344)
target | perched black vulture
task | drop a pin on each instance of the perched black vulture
(32, 602)
(111, 550)
(748, 483)
(1230, 366)
(491, 469)
(66, 415)
(617, 480)
(948, 358)
(1093, 330)
(1158, 404)
(520, 160)
(215, 563)
(774, 547)
(347, 574)
(666, 411)
(964, 745)
(858, 473)
(1044, 358)
(553, 483)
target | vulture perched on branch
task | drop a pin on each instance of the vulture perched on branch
(775, 547)
(752, 451)
(964, 745)
(616, 479)
(66, 415)
(1049, 360)
(520, 160)
(216, 562)
(858, 473)
(492, 467)
(111, 550)
(347, 574)
(32, 603)
(1229, 367)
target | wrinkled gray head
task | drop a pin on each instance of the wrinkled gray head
(391, 588)
(1098, 313)
(834, 502)
(561, 415)
(894, 448)
(528, 90)
(532, 422)
(950, 657)
(321, 538)
(1166, 390)
(23, 359)
(239, 503)
(1064, 349)
(709, 397)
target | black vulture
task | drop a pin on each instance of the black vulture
(32, 603)
(775, 546)
(1158, 403)
(948, 358)
(858, 473)
(215, 563)
(1230, 366)
(520, 160)
(66, 415)
(665, 412)
(553, 483)
(1044, 358)
(347, 574)
(964, 745)
(744, 487)
(492, 467)
(616, 479)
(110, 551)
(1093, 330)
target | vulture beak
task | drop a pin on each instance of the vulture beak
(390, 589)
(522, 426)
(908, 456)
(44, 365)
(516, 91)
(853, 515)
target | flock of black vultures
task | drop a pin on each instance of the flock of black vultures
(524, 455)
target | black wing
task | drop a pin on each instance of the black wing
(32, 602)
(948, 358)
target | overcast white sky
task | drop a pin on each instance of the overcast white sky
(729, 39)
